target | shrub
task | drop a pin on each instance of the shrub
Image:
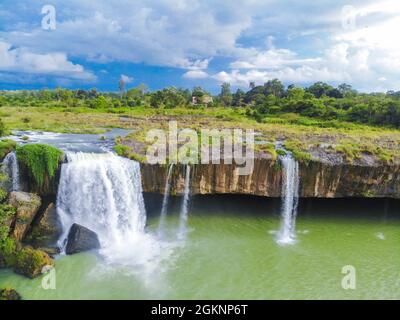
(122, 150)
(8, 250)
(40, 160)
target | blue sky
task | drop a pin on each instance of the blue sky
(186, 43)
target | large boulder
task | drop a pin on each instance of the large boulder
(47, 229)
(81, 239)
(27, 206)
(31, 262)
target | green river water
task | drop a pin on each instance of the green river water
(230, 253)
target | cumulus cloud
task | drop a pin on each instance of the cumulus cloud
(195, 74)
(21, 60)
(256, 39)
(365, 55)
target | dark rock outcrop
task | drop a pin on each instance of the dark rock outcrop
(46, 229)
(81, 239)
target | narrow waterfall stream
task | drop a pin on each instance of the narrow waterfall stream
(290, 199)
(103, 192)
(164, 207)
(11, 169)
(183, 218)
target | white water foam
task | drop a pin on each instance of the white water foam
(103, 192)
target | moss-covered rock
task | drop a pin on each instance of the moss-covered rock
(9, 294)
(39, 164)
(32, 262)
(27, 205)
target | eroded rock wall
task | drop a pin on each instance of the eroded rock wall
(317, 179)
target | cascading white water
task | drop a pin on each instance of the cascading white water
(103, 192)
(290, 198)
(164, 207)
(11, 169)
(183, 219)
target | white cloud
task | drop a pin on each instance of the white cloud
(367, 56)
(257, 39)
(126, 79)
(21, 60)
(195, 74)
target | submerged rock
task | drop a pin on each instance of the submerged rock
(81, 239)
(27, 206)
(9, 294)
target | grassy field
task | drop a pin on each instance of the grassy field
(301, 134)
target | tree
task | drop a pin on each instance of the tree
(274, 87)
(319, 89)
(226, 95)
(346, 90)
(238, 98)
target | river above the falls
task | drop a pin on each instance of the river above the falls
(72, 142)
(230, 252)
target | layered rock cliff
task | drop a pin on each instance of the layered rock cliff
(317, 179)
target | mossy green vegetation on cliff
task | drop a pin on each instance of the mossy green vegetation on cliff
(40, 160)
(6, 146)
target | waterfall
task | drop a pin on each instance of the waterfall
(164, 207)
(290, 197)
(11, 169)
(183, 219)
(103, 192)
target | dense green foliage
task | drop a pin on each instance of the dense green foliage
(40, 160)
(6, 146)
(6, 213)
(320, 101)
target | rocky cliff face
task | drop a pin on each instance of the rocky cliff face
(317, 179)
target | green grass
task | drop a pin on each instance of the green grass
(345, 136)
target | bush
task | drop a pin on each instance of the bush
(8, 250)
(122, 150)
(6, 214)
(40, 160)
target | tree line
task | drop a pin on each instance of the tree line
(319, 100)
